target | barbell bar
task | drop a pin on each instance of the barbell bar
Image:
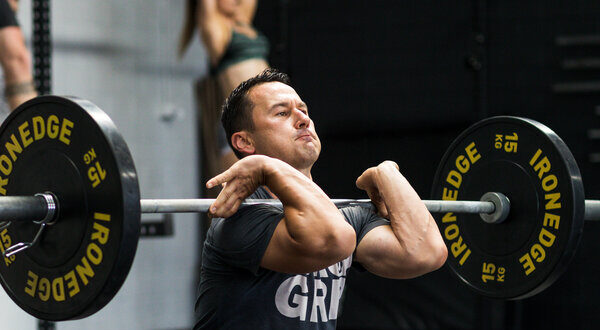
(36, 208)
(85, 224)
(43, 209)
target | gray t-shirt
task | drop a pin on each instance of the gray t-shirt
(236, 293)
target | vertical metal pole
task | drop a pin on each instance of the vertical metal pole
(46, 325)
(282, 46)
(478, 57)
(42, 70)
(42, 46)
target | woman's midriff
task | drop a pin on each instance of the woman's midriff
(237, 73)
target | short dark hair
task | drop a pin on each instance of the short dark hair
(237, 109)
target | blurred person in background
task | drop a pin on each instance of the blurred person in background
(14, 57)
(236, 52)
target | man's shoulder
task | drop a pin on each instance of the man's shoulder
(357, 212)
(249, 223)
(363, 219)
(260, 193)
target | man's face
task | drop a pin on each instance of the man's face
(282, 128)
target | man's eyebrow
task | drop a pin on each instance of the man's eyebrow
(286, 103)
(279, 104)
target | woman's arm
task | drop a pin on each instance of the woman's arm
(246, 11)
(214, 28)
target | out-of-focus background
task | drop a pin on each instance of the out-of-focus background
(384, 80)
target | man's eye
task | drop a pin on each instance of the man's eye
(282, 113)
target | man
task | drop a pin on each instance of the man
(14, 57)
(265, 267)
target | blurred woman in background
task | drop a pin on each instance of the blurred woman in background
(237, 51)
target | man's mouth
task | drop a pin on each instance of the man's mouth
(305, 136)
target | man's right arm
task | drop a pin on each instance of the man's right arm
(213, 30)
(312, 234)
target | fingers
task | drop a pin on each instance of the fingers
(238, 182)
(219, 209)
(379, 204)
(381, 209)
(219, 179)
(360, 182)
(230, 198)
(365, 180)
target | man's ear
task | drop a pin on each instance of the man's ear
(242, 142)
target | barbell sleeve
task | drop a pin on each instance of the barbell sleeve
(592, 209)
(26, 208)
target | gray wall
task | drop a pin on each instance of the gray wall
(121, 56)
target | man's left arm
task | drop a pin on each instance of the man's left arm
(411, 245)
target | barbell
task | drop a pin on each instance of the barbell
(70, 207)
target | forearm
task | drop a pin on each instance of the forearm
(19, 85)
(312, 233)
(410, 221)
(247, 9)
(311, 219)
(16, 65)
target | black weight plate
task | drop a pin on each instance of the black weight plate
(71, 148)
(533, 167)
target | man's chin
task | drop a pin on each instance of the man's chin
(307, 160)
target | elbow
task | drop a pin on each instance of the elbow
(436, 252)
(338, 246)
(345, 242)
(435, 257)
(334, 246)
(427, 261)
(439, 256)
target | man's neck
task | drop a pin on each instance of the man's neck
(306, 172)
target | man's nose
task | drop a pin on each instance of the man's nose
(302, 119)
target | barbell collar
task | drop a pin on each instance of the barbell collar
(501, 207)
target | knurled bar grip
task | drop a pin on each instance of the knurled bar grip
(202, 205)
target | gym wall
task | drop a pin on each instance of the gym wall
(399, 80)
(121, 55)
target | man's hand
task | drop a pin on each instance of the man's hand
(368, 182)
(311, 234)
(411, 245)
(239, 182)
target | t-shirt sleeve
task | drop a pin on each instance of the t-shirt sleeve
(362, 219)
(240, 241)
